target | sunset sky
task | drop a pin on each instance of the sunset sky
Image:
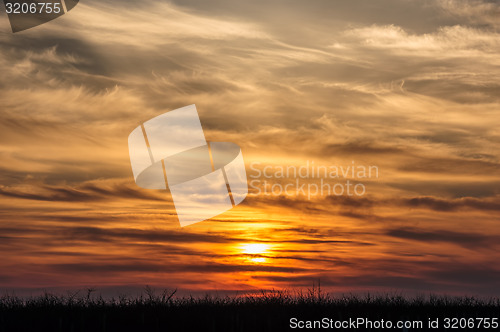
(409, 86)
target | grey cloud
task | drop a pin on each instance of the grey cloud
(455, 189)
(454, 204)
(85, 192)
(97, 234)
(478, 276)
(467, 240)
(361, 148)
(141, 266)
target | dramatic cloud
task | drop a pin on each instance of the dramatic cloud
(412, 90)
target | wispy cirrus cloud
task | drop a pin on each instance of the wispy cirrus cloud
(412, 90)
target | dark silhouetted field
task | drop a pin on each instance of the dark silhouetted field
(268, 311)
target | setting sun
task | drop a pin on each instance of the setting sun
(254, 248)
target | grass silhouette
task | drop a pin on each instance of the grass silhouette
(266, 311)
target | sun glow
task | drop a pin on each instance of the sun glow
(254, 252)
(254, 248)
